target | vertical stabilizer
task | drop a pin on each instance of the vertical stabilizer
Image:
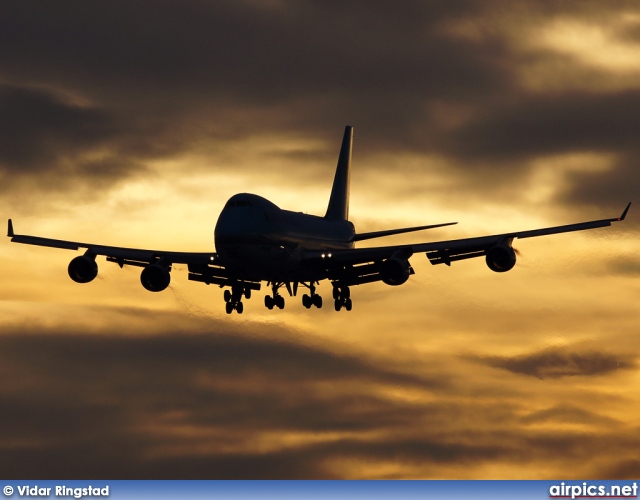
(338, 208)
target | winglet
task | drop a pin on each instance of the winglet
(624, 214)
(10, 229)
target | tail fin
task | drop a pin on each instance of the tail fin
(338, 208)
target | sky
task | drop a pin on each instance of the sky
(131, 123)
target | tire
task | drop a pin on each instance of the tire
(227, 295)
(240, 307)
(306, 301)
(229, 307)
(348, 305)
(317, 301)
(337, 304)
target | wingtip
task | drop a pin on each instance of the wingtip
(624, 214)
(10, 229)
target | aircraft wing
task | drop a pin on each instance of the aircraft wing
(363, 265)
(120, 255)
(205, 267)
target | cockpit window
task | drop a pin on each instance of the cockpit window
(239, 203)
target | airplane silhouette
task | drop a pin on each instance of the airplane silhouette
(256, 241)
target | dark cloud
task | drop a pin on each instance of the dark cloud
(552, 124)
(613, 187)
(562, 362)
(50, 142)
(186, 75)
(230, 68)
(113, 399)
(624, 469)
(198, 403)
(38, 129)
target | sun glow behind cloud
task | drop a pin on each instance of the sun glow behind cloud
(494, 119)
(596, 43)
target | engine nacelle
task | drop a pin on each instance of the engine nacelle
(83, 269)
(155, 278)
(501, 258)
(395, 271)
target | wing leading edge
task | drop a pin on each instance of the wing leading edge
(115, 254)
(205, 267)
(445, 252)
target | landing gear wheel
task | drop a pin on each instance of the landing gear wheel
(317, 301)
(240, 307)
(306, 301)
(229, 307)
(227, 295)
(279, 301)
(247, 293)
(268, 302)
(342, 296)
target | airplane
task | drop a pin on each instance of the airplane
(257, 242)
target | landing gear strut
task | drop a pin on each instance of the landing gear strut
(342, 297)
(233, 298)
(312, 299)
(275, 299)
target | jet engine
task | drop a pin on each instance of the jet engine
(501, 258)
(83, 269)
(155, 277)
(395, 271)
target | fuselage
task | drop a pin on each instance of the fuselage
(254, 233)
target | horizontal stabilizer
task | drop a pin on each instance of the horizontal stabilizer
(390, 232)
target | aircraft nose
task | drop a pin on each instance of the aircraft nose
(236, 227)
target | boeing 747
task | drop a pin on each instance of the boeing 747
(257, 242)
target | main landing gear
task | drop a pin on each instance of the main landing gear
(311, 299)
(342, 297)
(274, 300)
(233, 298)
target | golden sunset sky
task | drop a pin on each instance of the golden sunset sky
(132, 123)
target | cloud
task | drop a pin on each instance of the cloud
(568, 414)
(49, 142)
(418, 80)
(562, 362)
(39, 128)
(133, 403)
(133, 393)
(207, 97)
(624, 469)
